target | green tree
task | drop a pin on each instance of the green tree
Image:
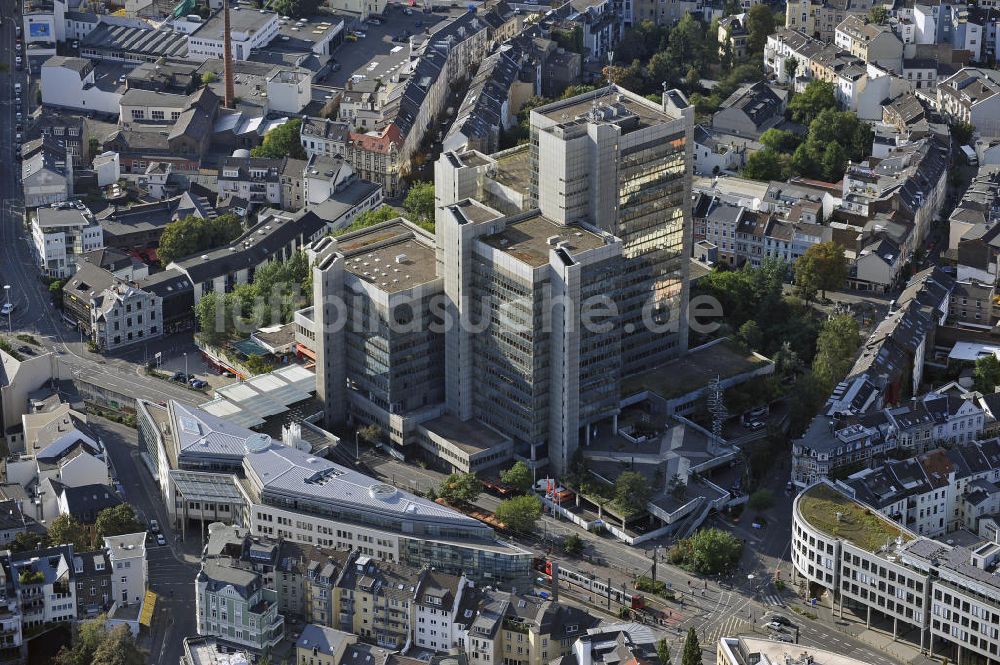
(878, 14)
(751, 336)
(822, 267)
(118, 647)
(116, 521)
(760, 24)
(692, 649)
(962, 132)
(578, 89)
(838, 340)
(817, 97)
(761, 500)
(370, 434)
(87, 637)
(786, 361)
(732, 8)
(791, 67)
(780, 140)
(834, 161)
(209, 77)
(213, 317)
(632, 492)
(368, 218)
(296, 8)
(518, 476)
(520, 513)
(419, 202)
(282, 141)
(26, 541)
(764, 165)
(66, 530)
(629, 77)
(93, 147)
(460, 488)
(572, 545)
(191, 235)
(986, 375)
(707, 552)
(663, 651)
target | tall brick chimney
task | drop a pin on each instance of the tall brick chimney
(229, 100)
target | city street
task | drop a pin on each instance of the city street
(171, 577)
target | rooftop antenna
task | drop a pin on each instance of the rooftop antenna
(717, 408)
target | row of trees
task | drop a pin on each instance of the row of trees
(65, 529)
(277, 290)
(834, 137)
(519, 513)
(191, 235)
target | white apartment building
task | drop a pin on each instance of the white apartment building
(891, 576)
(75, 83)
(122, 315)
(129, 570)
(43, 580)
(436, 611)
(249, 29)
(972, 95)
(59, 235)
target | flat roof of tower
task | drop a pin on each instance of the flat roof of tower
(528, 239)
(389, 256)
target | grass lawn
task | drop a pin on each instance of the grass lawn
(859, 525)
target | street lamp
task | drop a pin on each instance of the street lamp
(186, 377)
(6, 291)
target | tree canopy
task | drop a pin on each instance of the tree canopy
(838, 340)
(822, 267)
(296, 8)
(520, 512)
(461, 488)
(834, 137)
(760, 24)
(692, 649)
(817, 97)
(95, 644)
(277, 290)
(632, 492)
(756, 294)
(65, 529)
(419, 203)
(517, 476)
(707, 552)
(986, 376)
(116, 521)
(191, 235)
(282, 141)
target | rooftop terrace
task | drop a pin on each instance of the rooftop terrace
(836, 514)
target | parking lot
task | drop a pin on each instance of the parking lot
(378, 47)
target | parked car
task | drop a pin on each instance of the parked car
(180, 377)
(6, 309)
(154, 526)
(781, 621)
(197, 384)
(26, 350)
(76, 44)
(756, 425)
(774, 625)
(160, 540)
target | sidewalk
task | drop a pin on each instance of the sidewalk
(904, 651)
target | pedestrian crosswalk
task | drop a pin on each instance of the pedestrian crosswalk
(772, 599)
(729, 627)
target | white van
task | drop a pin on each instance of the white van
(970, 155)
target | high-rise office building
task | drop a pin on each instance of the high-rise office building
(558, 268)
